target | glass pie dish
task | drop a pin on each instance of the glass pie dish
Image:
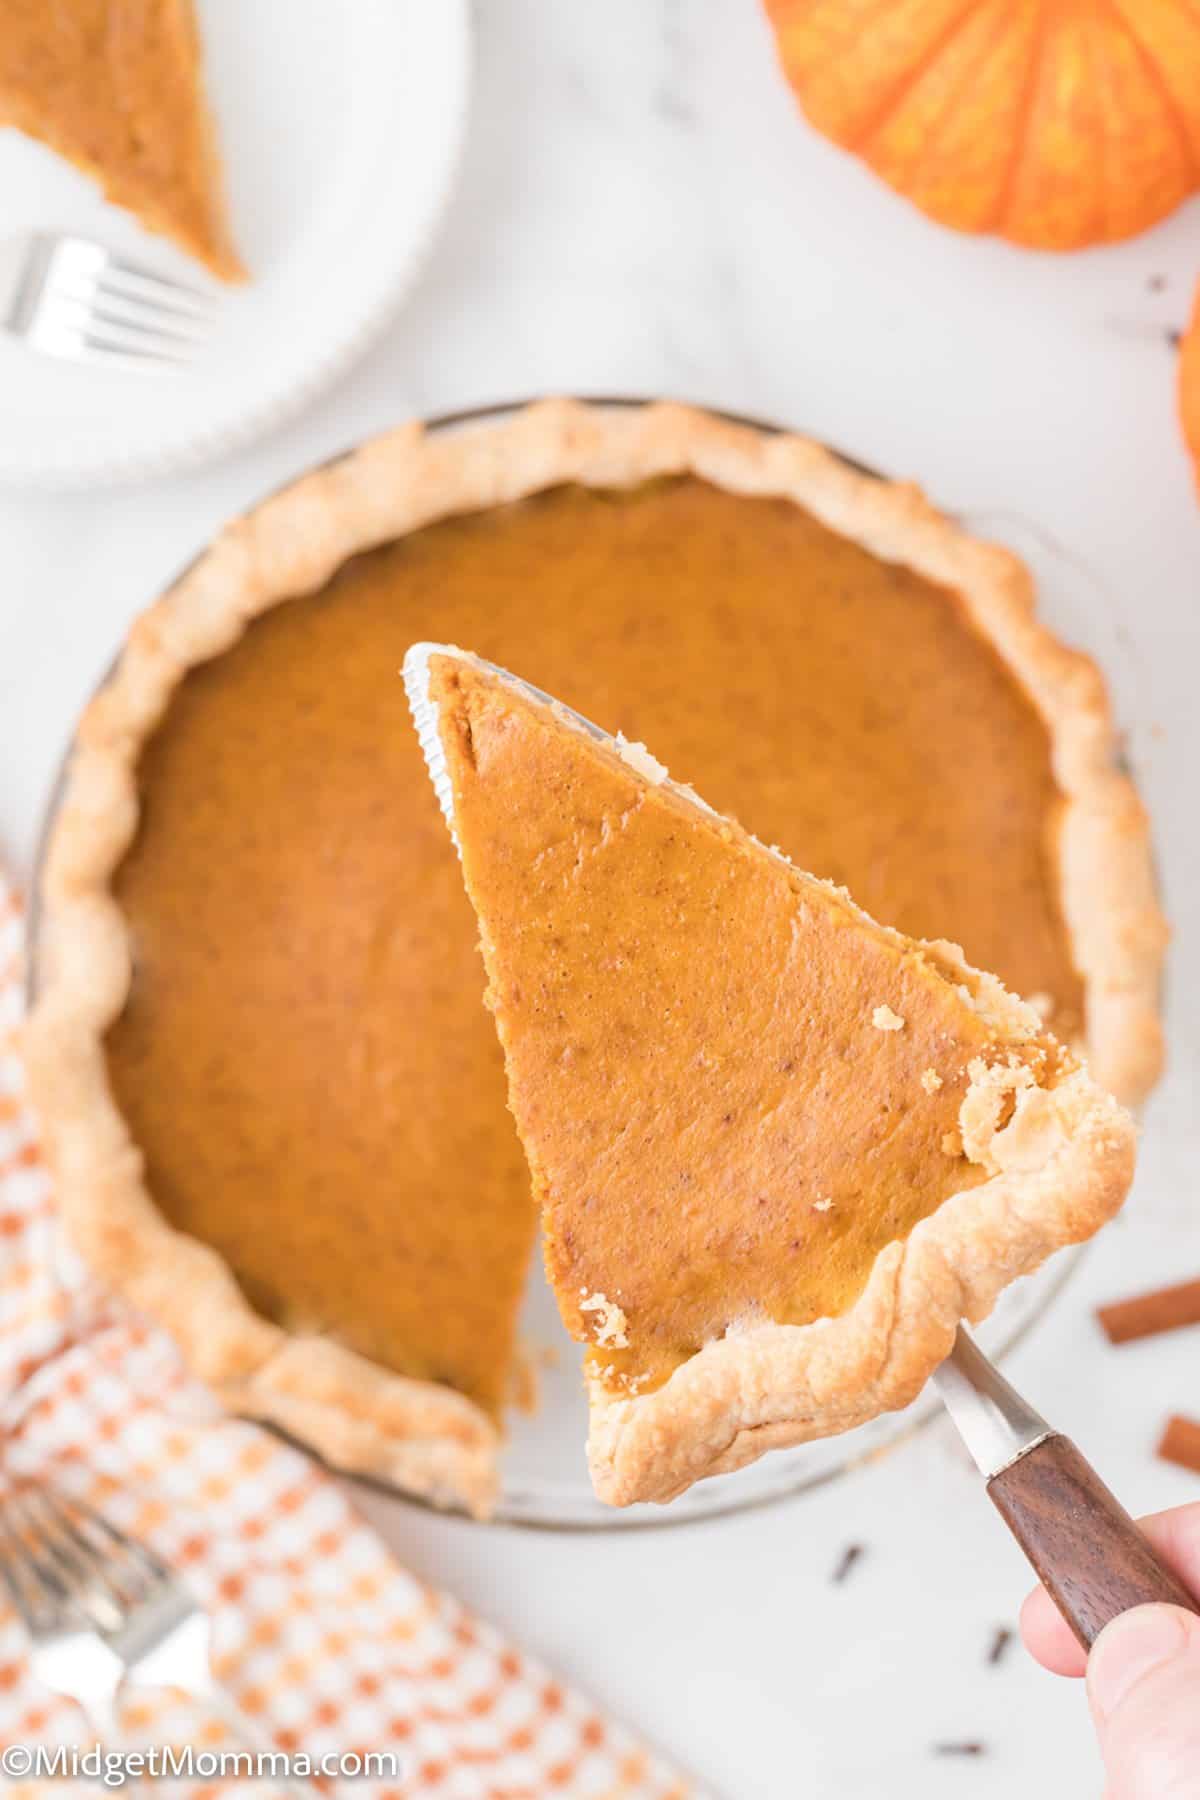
(544, 1477)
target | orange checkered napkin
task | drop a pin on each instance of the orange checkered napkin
(319, 1634)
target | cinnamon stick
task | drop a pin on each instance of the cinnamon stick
(1165, 1309)
(1180, 1443)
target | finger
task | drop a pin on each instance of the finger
(1144, 1691)
(1176, 1534)
(1047, 1638)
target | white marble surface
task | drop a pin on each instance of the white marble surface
(641, 211)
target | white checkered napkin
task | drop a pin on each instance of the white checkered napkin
(320, 1635)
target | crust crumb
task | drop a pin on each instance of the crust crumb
(523, 1386)
(611, 1323)
(1009, 1121)
(989, 1103)
(884, 1019)
(931, 1081)
(822, 1205)
(617, 1382)
(640, 760)
(952, 1144)
(530, 1361)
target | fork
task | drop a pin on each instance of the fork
(66, 1654)
(69, 297)
(99, 1608)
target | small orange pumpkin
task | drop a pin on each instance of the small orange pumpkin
(1189, 386)
(1056, 123)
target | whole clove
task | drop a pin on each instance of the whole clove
(846, 1562)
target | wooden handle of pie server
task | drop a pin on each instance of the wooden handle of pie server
(1087, 1552)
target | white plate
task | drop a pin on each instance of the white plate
(339, 128)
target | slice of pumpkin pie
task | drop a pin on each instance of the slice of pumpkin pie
(780, 1149)
(119, 91)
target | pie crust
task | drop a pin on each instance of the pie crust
(420, 1434)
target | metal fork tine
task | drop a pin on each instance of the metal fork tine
(134, 340)
(160, 352)
(24, 1590)
(34, 1556)
(101, 346)
(141, 284)
(99, 356)
(68, 1566)
(16, 1594)
(96, 304)
(85, 1578)
(153, 1565)
(131, 1570)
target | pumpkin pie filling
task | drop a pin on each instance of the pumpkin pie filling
(303, 1059)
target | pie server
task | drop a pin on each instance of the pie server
(1085, 1549)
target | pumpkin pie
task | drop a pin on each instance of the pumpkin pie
(274, 1100)
(117, 89)
(780, 1150)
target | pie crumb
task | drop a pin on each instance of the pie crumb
(639, 759)
(990, 1102)
(931, 1081)
(822, 1205)
(531, 1360)
(611, 1322)
(523, 1381)
(884, 1019)
(952, 1144)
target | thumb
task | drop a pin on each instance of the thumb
(1143, 1683)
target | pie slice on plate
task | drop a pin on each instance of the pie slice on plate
(780, 1150)
(119, 91)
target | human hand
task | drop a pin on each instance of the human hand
(1143, 1675)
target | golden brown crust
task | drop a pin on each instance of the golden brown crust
(418, 1433)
